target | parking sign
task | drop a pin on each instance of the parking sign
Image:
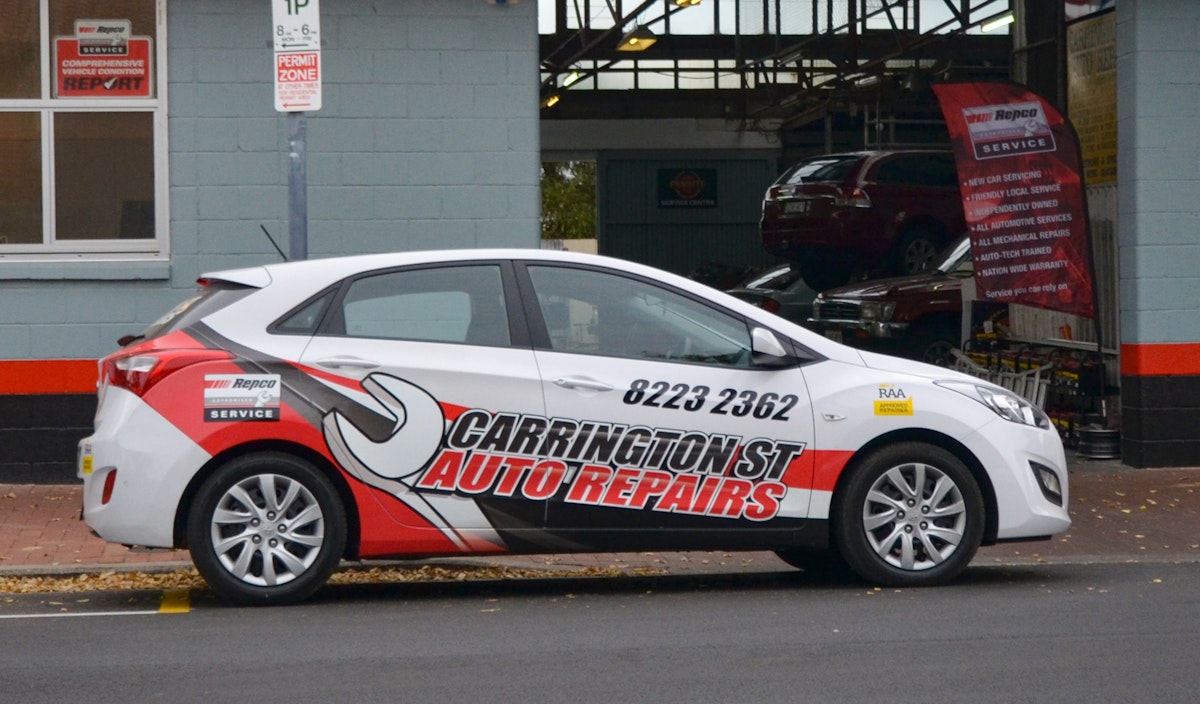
(296, 29)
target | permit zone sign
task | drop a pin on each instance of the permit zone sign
(297, 37)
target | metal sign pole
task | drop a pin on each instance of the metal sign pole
(297, 188)
(296, 26)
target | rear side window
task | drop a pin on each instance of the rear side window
(209, 299)
(935, 170)
(445, 304)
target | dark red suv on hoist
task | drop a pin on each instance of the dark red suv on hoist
(870, 212)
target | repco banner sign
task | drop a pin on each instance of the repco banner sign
(1022, 190)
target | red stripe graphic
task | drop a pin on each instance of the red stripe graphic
(1166, 359)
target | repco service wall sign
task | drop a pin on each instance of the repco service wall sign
(103, 60)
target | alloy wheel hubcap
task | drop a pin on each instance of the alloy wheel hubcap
(267, 530)
(914, 517)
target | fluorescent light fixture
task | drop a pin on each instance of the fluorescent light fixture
(573, 76)
(687, 3)
(551, 100)
(866, 82)
(639, 39)
(997, 23)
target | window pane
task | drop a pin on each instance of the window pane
(63, 14)
(104, 176)
(453, 304)
(596, 313)
(20, 179)
(21, 77)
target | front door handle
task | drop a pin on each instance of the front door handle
(347, 361)
(581, 382)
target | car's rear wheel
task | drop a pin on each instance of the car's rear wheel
(266, 528)
(911, 514)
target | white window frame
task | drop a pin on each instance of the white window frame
(46, 106)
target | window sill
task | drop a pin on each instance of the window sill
(84, 270)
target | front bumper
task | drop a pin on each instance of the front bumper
(1009, 452)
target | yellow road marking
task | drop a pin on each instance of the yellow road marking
(175, 601)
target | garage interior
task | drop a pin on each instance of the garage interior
(810, 77)
(826, 75)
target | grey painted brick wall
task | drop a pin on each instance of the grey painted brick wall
(1158, 111)
(428, 138)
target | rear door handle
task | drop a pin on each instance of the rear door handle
(581, 382)
(347, 361)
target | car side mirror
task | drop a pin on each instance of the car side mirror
(767, 350)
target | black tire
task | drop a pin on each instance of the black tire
(917, 252)
(821, 275)
(931, 343)
(900, 541)
(244, 543)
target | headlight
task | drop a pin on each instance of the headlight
(878, 310)
(1005, 404)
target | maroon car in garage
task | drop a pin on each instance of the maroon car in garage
(918, 316)
(879, 213)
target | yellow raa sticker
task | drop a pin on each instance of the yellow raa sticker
(894, 408)
(893, 401)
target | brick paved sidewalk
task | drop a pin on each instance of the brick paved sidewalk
(1119, 514)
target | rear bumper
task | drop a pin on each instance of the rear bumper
(849, 235)
(151, 463)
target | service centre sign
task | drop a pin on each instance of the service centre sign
(296, 26)
(102, 60)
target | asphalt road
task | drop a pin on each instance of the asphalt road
(1034, 633)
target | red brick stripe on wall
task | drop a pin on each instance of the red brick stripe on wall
(48, 376)
(1174, 359)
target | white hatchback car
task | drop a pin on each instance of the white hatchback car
(522, 401)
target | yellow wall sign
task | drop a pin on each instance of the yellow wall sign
(1092, 94)
(894, 407)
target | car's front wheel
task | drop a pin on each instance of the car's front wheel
(917, 252)
(911, 514)
(266, 528)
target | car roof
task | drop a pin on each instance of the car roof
(335, 268)
(316, 274)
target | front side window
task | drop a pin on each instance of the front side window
(463, 304)
(592, 312)
(82, 128)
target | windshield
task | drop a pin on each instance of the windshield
(957, 257)
(823, 168)
(776, 279)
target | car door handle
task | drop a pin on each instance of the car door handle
(352, 362)
(579, 382)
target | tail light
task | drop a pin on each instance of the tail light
(851, 198)
(139, 371)
(770, 305)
